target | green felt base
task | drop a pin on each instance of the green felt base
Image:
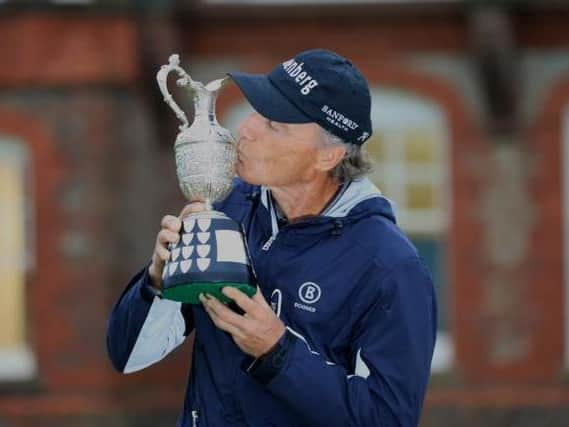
(190, 293)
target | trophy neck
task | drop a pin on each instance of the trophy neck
(204, 106)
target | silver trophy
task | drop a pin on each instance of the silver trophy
(211, 252)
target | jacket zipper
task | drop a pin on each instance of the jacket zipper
(268, 243)
(195, 416)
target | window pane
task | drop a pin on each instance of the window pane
(419, 147)
(11, 256)
(15, 358)
(420, 196)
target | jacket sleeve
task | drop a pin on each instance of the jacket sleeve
(391, 352)
(143, 328)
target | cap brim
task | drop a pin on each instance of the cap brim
(267, 100)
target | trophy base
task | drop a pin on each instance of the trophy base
(189, 293)
(209, 255)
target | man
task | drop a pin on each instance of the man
(342, 328)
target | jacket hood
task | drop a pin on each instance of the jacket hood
(350, 202)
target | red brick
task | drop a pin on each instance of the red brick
(70, 50)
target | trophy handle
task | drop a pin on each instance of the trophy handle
(185, 79)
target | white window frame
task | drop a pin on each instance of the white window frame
(565, 196)
(417, 113)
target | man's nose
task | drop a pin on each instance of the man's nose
(247, 129)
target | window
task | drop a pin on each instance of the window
(410, 148)
(16, 358)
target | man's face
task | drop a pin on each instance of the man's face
(277, 154)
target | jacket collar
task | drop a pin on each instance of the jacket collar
(351, 194)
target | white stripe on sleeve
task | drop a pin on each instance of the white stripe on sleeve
(162, 331)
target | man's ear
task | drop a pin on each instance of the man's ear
(329, 156)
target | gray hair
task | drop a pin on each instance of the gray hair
(356, 162)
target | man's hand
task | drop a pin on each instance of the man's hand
(255, 332)
(169, 233)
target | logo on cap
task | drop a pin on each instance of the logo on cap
(338, 119)
(363, 136)
(301, 77)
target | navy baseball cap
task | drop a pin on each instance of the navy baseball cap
(315, 86)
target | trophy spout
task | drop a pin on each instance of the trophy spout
(216, 85)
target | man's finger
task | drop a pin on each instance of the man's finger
(219, 322)
(166, 236)
(260, 298)
(162, 253)
(225, 313)
(171, 222)
(193, 207)
(241, 299)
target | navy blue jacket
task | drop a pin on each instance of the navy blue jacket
(360, 312)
